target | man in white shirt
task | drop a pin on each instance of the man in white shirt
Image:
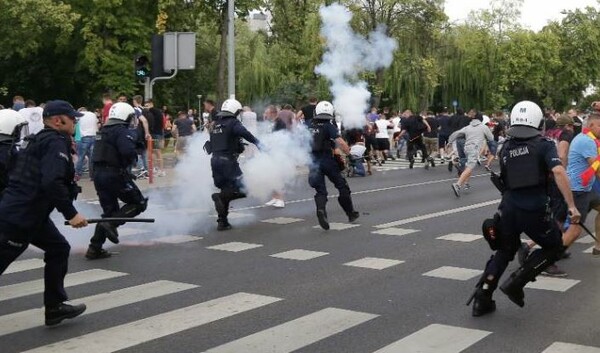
(33, 115)
(88, 127)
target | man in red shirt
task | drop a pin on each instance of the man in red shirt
(107, 102)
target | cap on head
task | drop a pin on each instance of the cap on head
(324, 108)
(564, 120)
(230, 107)
(526, 120)
(120, 113)
(60, 107)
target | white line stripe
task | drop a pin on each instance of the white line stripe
(560, 347)
(151, 328)
(297, 333)
(32, 318)
(73, 279)
(24, 265)
(437, 214)
(436, 339)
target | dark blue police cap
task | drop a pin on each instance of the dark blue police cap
(60, 107)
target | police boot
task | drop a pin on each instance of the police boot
(57, 313)
(95, 253)
(321, 202)
(219, 205)
(482, 300)
(537, 262)
(223, 224)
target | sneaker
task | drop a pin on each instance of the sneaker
(467, 186)
(353, 216)
(142, 174)
(432, 161)
(523, 253)
(456, 189)
(411, 164)
(554, 271)
(270, 203)
(322, 217)
(96, 254)
(55, 315)
(279, 204)
(450, 164)
(595, 252)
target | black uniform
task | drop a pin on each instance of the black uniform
(324, 164)
(526, 166)
(415, 128)
(114, 152)
(226, 146)
(6, 152)
(41, 180)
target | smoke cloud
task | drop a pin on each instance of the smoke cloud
(347, 54)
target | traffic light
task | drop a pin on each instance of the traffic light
(141, 67)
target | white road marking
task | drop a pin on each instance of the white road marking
(395, 231)
(131, 334)
(282, 220)
(177, 239)
(24, 320)
(436, 339)
(234, 246)
(374, 263)
(73, 279)
(553, 284)
(339, 226)
(298, 333)
(24, 265)
(299, 254)
(456, 273)
(560, 347)
(461, 237)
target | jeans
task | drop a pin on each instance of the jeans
(85, 147)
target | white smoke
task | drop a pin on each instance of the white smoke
(347, 54)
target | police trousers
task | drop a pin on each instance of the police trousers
(323, 167)
(226, 173)
(111, 186)
(14, 241)
(537, 225)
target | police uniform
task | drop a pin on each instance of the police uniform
(12, 127)
(226, 146)
(42, 179)
(526, 162)
(324, 164)
(114, 152)
(6, 151)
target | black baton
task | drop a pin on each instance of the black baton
(117, 219)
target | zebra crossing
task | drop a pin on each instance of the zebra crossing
(287, 334)
(400, 164)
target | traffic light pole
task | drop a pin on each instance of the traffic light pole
(148, 83)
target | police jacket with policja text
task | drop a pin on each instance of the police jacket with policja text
(225, 136)
(324, 134)
(115, 147)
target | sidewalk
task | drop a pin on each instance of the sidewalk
(88, 192)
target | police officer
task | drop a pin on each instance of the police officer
(114, 152)
(42, 180)
(226, 146)
(12, 127)
(325, 137)
(527, 160)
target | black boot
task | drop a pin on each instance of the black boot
(94, 253)
(56, 314)
(482, 302)
(223, 224)
(321, 202)
(353, 216)
(513, 287)
(432, 161)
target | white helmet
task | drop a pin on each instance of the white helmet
(231, 106)
(526, 113)
(120, 112)
(324, 108)
(9, 121)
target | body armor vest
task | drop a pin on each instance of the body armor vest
(522, 165)
(320, 142)
(222, 138)
(105, 153)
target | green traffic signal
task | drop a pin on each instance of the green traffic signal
(141, 67)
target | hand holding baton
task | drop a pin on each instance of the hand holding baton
(116, 219)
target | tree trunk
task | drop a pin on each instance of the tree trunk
(222, 56)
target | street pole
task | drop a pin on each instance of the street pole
(231, 48)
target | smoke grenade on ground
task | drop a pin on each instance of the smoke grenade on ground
(346, 55)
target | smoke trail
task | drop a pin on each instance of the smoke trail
(346, 55)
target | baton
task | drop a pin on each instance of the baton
(586, 230)
(118, 219)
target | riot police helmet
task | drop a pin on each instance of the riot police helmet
(324, 111)
(526, 120)
(120, 113)
(11, 124)
(230, 107)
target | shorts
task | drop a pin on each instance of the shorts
(442, 141)
(585, 201)
(383, 144)
(158, 142)
(472, 153)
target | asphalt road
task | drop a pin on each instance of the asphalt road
(275, 283)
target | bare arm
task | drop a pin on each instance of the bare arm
(341, 144)
(562, 181)
(427, 124)
(563, 152)
(144, 122)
